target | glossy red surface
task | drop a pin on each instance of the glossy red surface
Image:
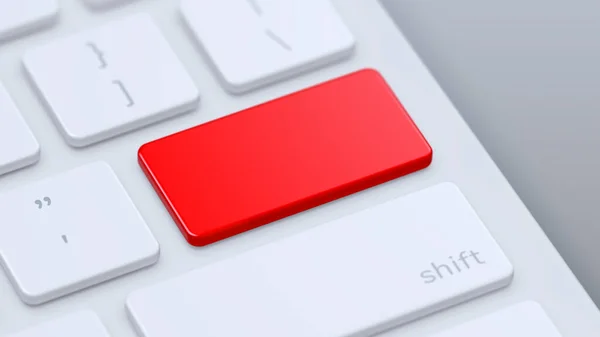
(283, 157)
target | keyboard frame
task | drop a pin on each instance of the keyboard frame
(540, 273)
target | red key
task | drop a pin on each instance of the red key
(279, 158)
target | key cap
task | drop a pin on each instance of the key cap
(252, 43)
(22, 16)
(111, 80)
(18, 146)
(284, 157)
(80, 324)
(71, 231)
(526, 319)
(355, 276)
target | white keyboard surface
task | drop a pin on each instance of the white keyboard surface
(84, 323)
(101, 4)
(447, 251)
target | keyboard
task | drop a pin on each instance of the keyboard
(253, 168)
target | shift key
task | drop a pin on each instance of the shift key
(355, 276)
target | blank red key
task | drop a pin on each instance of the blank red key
(283, 157)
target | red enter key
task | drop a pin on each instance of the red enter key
(279, 158)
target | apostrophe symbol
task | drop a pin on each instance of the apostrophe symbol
(40, 203)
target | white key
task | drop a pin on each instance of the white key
(71, 231)
(252, 43)
(80, 324)
(110, 80)
(18, 146)
(355, 276)
(526, 319)
(22, 16)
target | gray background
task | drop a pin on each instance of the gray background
(525, 74)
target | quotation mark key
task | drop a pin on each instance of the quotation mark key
(40, 204)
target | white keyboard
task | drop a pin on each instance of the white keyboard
(88, 248)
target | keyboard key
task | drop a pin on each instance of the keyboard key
(80, 324)
(355, 276)
(71, 231)
(110, 80)
(18, 146)
(252, 43)
(284, 157)
(522, 320)
(22, 16)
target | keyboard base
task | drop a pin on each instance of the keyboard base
(459, 158)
